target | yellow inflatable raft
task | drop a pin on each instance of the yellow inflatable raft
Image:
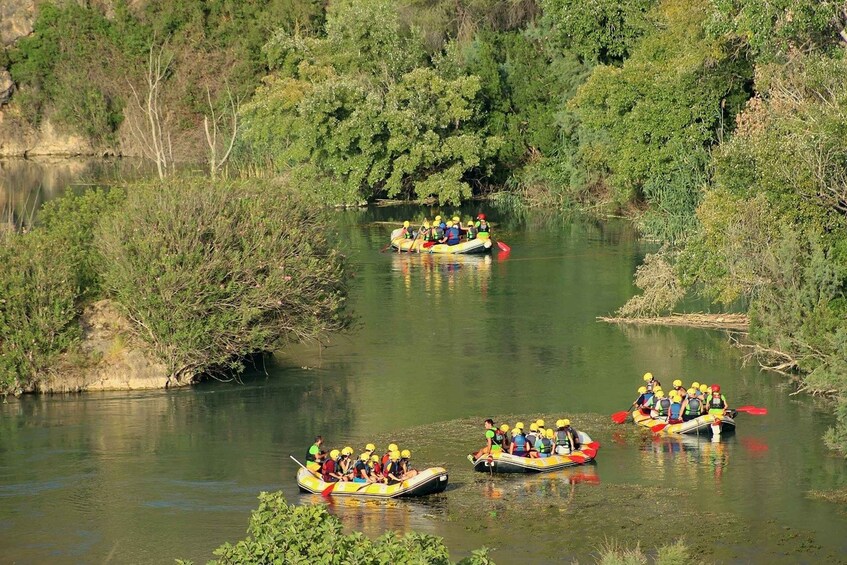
(428, 481)
(707, 424)
(474, 246)
(502, 462)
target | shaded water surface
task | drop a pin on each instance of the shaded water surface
(440, 344)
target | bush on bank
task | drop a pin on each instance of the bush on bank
(283, 533)
(211, 272)
(47, 274)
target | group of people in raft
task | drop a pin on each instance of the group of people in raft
(680, 404)
(539, 441)
(450, 232)
(340, 465)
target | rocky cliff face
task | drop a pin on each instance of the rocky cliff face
(17, 138)
(109, 358)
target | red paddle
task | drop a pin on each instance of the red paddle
(503, 247)
(620, 417)
(328, 490)
(755, 410)
(428, 244)
(658, 427)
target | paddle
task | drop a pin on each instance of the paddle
(503, 247)
(659, 427)
(620, 417)
(386, 246)
(755, 410)
(303, 466)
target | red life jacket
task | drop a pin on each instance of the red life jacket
(327, 469)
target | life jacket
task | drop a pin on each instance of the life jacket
(377, 468)
(575, 434)
(361, 466)
(327, 470)
(394, 468)
(648, 396)
(437, 233)
(471, 233)
(309, 455)
(662, 406)
(562, 438)
(531, 438)
(675, 409)
(454, 235)
(693, 407)
(546, 445)
(407, 233)
(482, 227)
(385, 459)
(716, 403)
(519, 441)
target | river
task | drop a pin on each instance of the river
(439, 345)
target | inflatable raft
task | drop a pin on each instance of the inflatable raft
(502, 462)
(707, 425)
(474, 246)
(428, 481)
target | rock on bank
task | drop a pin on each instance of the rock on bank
(109, 358)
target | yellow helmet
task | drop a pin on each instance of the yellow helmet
(375, 458)
(642, 389)
(334, 454)
(677, 383)
(648, 376)
(566, 422)
(392, 447)
(437, 219)
(405, 454)
(406, 224)
(457, 219)
(519, 425)
(533, 427)
(549, 433)
(347, 450)
(691, 391)
(426, 224)
(394, 455)
(370, 447)
(470, 222)
(659, 393)
(695, 385)
(540, 423)
(365, 456)
(449, 224)
(559, 423)
(504, 428)
(704, 388)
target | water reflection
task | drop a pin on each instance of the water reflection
(443, 273)
(688, 458)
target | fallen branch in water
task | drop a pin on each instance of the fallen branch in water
(737, 322)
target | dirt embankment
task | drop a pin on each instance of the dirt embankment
(108, 358)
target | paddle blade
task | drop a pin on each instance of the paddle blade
(328, 490)
(503, 247)
(620, 417)
(755, 410)
(658, 428)
(428, 244)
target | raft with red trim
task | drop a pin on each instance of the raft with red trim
(428, 481)
(503, 462)
(479, 245)
(707, 425)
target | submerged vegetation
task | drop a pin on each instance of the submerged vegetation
(718, 127)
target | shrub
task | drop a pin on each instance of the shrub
(211, 272)
(38, 293)
(284, 533)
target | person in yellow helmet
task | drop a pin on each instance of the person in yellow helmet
(407, 230)
(565, 437)
(519, 445)
(692, 406)
(362, 469)
(651, 382)
(387, 454)
(532, 439)
(470, 231)
(503, 437)
(330, 472)
(344, 464)
(394, 469)
(544, 444)
(406, 465)
(453, 234)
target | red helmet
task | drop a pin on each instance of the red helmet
(480, 216)
(716, 388)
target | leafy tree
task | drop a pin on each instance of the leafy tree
(220, 271)
(772, 29)
(284, 533)
(601, 30)
(654, 119)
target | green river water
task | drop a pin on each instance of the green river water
(440, 344)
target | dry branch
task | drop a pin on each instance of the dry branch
(736, 322)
